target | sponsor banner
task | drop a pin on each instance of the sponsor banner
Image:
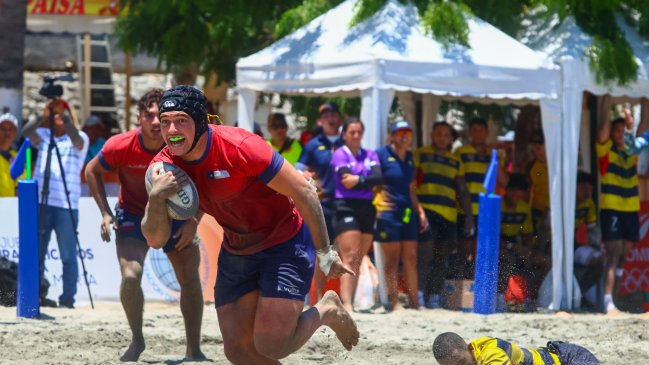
(73, 7)
(159, 280)
(636, 266)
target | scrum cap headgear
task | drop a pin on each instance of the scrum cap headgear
(188, 99)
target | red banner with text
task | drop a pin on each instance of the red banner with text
(73, 7)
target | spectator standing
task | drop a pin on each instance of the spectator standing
(8, 133)
(620, 203)
(356, 171)
(440, 183)
(316, 158)
(55, 215)
(400, 218)
(289, 148)
(96, 132)
(540, 187)
(475, 158)
(515, 234)
(588, 256)
(130, 154)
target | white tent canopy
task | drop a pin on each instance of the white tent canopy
(390, 52)
(566, 44)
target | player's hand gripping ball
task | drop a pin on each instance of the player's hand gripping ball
(184, 203)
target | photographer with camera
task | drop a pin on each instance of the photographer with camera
(72, 146)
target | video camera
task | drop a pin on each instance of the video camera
(50, 89)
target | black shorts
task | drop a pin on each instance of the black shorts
(620, 226)
(129, 225)
(440, 230)
(353, 215)
(282, 271)
(461, 219)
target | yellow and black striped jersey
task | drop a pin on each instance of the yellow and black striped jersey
(619, 183)
(436, 174)
(475, 168)
(515, 221)
(585, 213)
(540, 186)
(494, 351)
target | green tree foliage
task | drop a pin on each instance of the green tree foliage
(204, 36)
(610, 56)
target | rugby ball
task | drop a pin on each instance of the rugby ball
(184, 204)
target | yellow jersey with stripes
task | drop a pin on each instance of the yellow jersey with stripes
(7, 184)
(540, 186)
(494, 351)
(475, 168)
(436, 174)
(619, 183)
(585, 213)
(515, 221)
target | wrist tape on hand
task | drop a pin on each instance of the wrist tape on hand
(326, 257)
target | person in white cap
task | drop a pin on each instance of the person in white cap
(8, 133)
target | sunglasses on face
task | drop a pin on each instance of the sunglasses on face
(402, 133)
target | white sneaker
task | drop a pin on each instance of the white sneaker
(610, 305)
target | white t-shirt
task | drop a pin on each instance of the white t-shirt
(72, 160)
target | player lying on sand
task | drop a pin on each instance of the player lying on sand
(268, 254)
(451, 349)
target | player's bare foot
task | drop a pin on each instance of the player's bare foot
(338, 319)
(133, 352)
(195, 355)
(396, 307)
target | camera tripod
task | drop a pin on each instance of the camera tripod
(45, 192)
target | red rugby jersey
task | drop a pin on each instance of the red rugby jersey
(126, 153)
(231, 180)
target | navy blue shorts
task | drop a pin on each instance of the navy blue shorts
(620, 226)
(327, 211)
(390, 227)
(128, 225)
(440, 230)
(282, 271)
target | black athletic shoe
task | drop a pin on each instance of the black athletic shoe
(66, 305)
(48, 303)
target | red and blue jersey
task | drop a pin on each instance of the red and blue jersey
(126, 153)
(231, 179)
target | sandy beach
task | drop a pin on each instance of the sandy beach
(87, 336)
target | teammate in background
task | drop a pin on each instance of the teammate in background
(316, 159)
(357, 171)
(400, 216)
(440, 183)
(516, 237)
(451, 349)
(475, 157)
(288, 147)
(620, 203)
(273, 228)
(130, 154)
(588, 256)
(540, 189)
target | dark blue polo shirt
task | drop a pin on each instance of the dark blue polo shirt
(397, 177)
(317, 156)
